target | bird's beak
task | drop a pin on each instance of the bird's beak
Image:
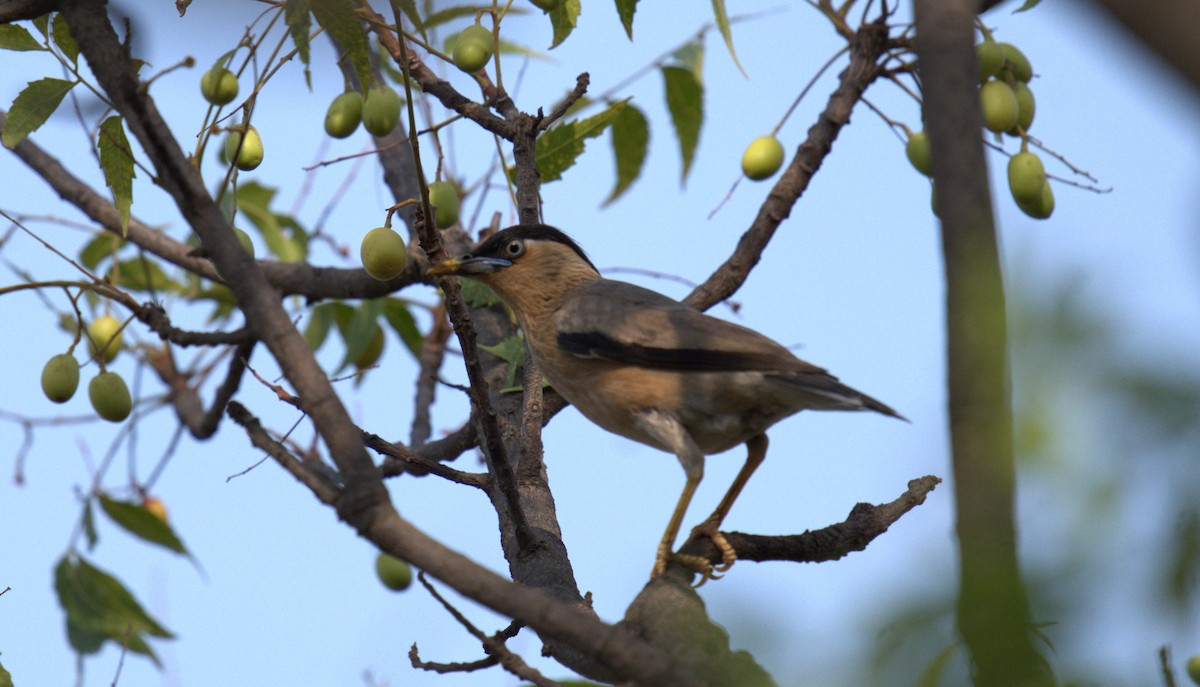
(468, 266)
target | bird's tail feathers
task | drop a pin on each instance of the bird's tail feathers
(842, 397)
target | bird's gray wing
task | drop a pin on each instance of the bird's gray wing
(625, 323)
(628, 324)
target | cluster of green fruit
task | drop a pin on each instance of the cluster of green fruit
(219, 86)
(107, 391)
(383, 251)
(1008, 107)
(379, 112)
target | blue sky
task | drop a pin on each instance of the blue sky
(287, 595)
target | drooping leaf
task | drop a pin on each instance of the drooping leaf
(402, 322)
(143, 523)
(321, 318)
(1029, 4)
(32, 108)
(625, 10)
(630, 140)
(563, 19)
(344, 25)
(116, 159)
(685, 101)
(477, 294)
(100, 608)
(722, 18)
(511, 351)
(17, 37)
(89, 525)
(5, 678)
(63, 38)
(42, 24)
(558, 148)
(299, 23)
(357, 333)
(285, 237)
(449, 14)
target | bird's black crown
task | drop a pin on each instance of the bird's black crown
(493, 246)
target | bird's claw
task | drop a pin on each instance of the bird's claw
(698, 564)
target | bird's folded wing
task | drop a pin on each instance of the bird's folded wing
(625, 323)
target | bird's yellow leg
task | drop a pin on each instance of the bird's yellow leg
(756, 452)
(668, 540)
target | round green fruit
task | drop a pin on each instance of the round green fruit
(444, 200)
(110, 397)
(60, 377)
(1041, 208)
(371, 354)
(1018, 65)
(919, 153)
(381, 111)
(473, 48)
(762, 158)
(383, 253)
(250, 154)
(104, 334)
(1193, 669)
(990, 56)
(1026, 177)
(394, 573)
(1026, 106)
(219, 86)
(999, 105)
(344, 114)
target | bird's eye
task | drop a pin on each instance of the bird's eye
(514, 249)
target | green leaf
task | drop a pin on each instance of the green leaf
(357, 333)
(140, 522)
(685, 100)
(477, 294)
(321, 318)
(285, 237)
(296, 15)
(402, 322)
(563, 19)
(690, 56)
(63, 38)
(17, 37)
(103, 245)
(32, 108)
(344, 25)
(5, 677)
(511, 351)
(625, 10)
(116, 159)
(451, 13)
(141, 274)
(1029, 4)
(409, 8)
(723, 26)
(42, 24)
(558, 148)
(100, 608)
(630, 140)
(89, 525)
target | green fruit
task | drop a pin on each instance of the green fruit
(219, 86)
(370, 355)
(762, 158)
(110, 397)
(251, 153)
(919, 153)
(394, 573)
(1026, 176)
(1017, 63)
(104, 334)
(999, 105)
(1026, 105)
(546, 5)
(383, 253)
(444, 199)
(344, 114)
(381, 111)
(990, 56)
(60, 377)
(473, 48)
(1193, 669)
(1041, 208)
